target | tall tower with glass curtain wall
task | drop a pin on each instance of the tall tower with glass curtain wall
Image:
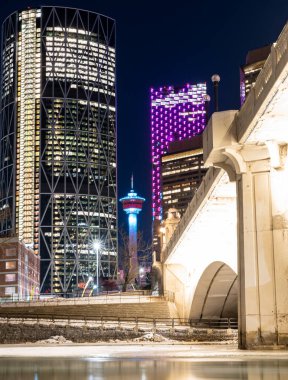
(58, 141)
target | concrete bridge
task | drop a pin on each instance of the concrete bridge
(237, 222)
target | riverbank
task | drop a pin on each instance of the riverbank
(18, 332)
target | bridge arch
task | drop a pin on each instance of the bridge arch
(216, 293)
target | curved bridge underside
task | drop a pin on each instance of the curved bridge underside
(216, 293)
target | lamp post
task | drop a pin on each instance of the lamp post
(207, 99)
(215, 80)
(97, 247)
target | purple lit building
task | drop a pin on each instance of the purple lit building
(177, 113)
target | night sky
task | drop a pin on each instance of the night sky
(162, 44)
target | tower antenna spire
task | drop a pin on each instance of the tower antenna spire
(132, 181)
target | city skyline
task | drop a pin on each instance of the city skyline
(160, 45)
(223, 265)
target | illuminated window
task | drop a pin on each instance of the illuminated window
(10, 252)
(10, 265)
(10, 277)
(9, 290)
(67, 135)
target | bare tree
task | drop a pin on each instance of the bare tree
(131, 276)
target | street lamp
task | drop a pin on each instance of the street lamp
(215, 80)
(207, 99)
(96, 247)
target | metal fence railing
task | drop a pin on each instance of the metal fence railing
(152, 324)
(104, 297)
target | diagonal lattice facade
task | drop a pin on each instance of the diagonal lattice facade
(8, 118)
(64, 137)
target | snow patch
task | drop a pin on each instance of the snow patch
(150, 337)
(57, 339)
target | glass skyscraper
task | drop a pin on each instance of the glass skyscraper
(58, 142)
(177, 113)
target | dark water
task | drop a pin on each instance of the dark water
(142, 369)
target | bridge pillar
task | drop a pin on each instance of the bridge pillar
(260, 170)
(262, 203)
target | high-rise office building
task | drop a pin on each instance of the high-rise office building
(249, 72)
(19, 270)
(177, 114)
(182, 172)
(58, 141)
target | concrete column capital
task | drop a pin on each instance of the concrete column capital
(238, 159)
(278, 154)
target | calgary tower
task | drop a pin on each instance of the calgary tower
(132, 205)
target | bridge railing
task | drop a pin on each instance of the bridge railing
(103, 298)
(281, 45)
(263, 77)
(272, 67)
(169, 296)
(279, 52)
(137, 323)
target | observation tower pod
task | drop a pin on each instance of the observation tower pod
(132, 205)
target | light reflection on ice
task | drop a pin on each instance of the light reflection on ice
(143, 369)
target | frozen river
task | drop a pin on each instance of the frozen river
(143, 362)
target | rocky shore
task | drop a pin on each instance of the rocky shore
(15, 333)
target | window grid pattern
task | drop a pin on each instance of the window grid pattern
(78, 151)
(8, 117)
(28, 125)
(70, 134)
(181, 176)
(176, 114)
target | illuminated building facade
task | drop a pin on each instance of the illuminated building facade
(177, 113)
(58, 141)
(249, 72)
(132, 205)
(19, 270)
(182, 172)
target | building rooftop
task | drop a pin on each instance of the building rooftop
(256, 55)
